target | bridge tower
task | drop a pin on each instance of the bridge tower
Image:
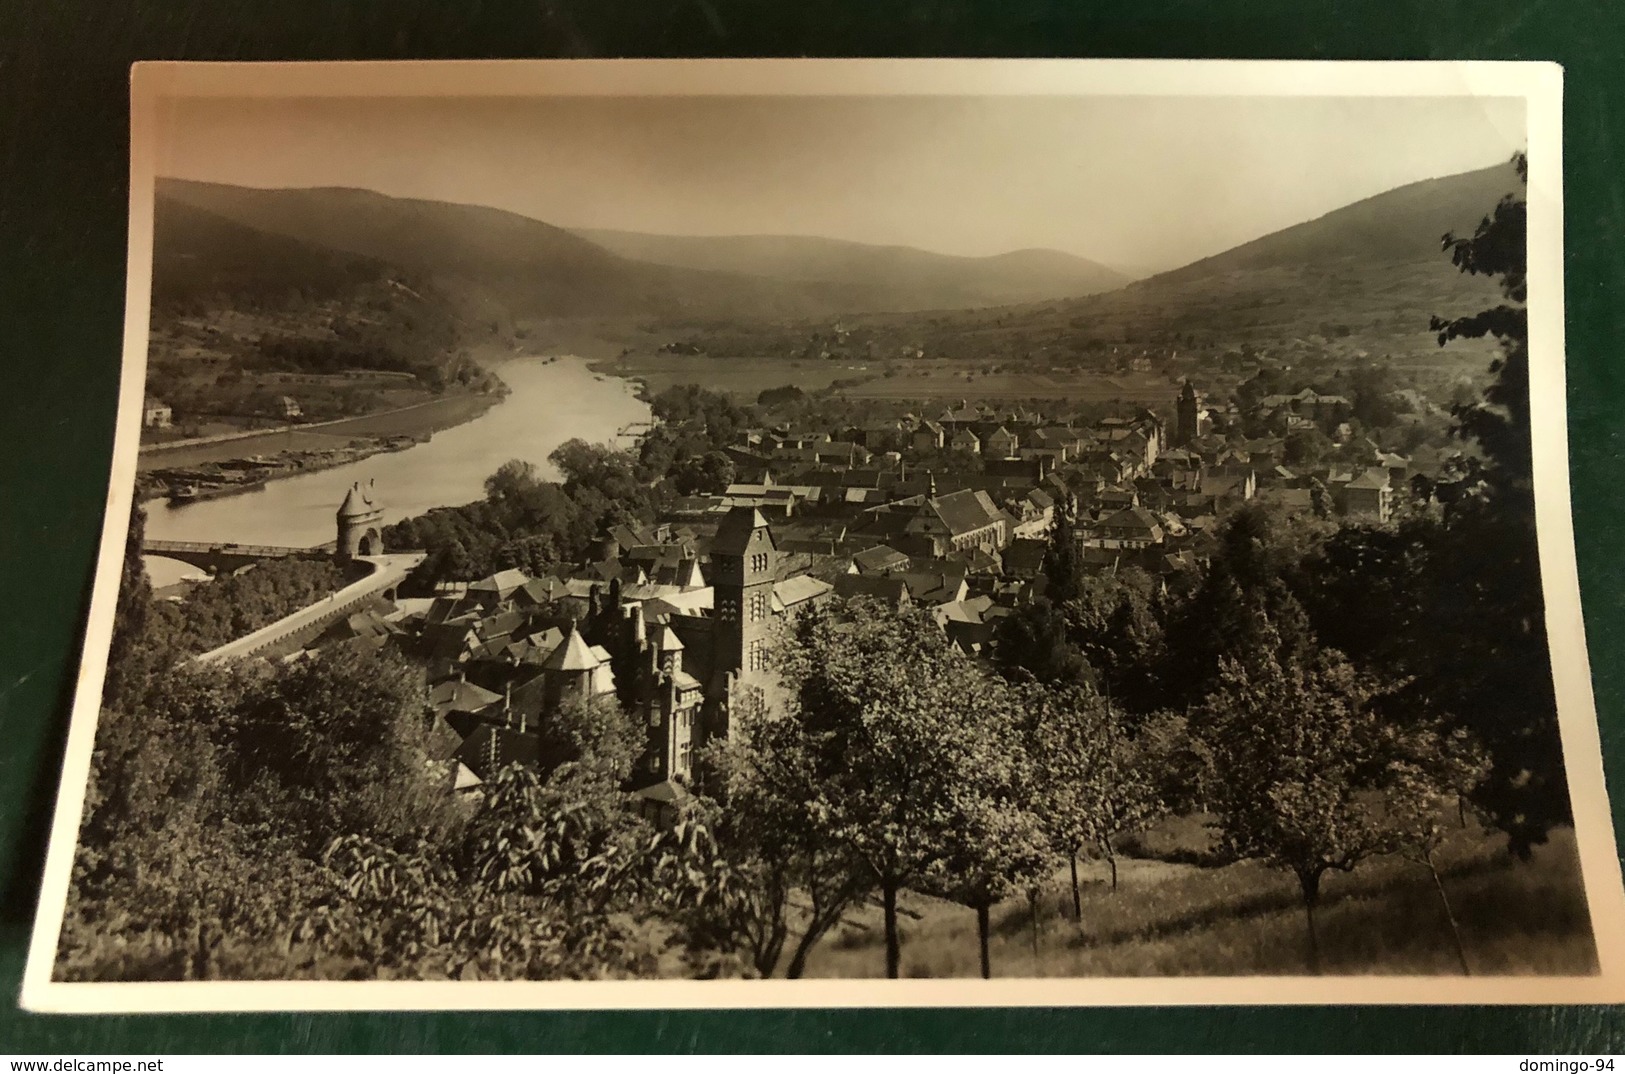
(360, 519)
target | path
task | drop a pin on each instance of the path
(308, 622)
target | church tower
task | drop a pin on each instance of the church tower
(1189, 417)
(743, 559)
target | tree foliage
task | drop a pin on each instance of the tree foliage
(902, 731)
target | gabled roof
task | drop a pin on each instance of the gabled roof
(489, 748)
(965, 510)
(799, 590)
(572, 654)
(541, 590)
(1371, 480)
(456, 695)
(883, 587)
(1132, 518)
(878, 558)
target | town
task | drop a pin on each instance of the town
(672, 617)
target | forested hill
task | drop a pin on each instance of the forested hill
(1401, 225)
(500, 265)
(202, 259)
(262, 303)
(880, 277)
(1364, 279)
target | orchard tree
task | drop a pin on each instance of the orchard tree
(767, 842)
(1062, 747)
(1296, 747)
(996, 846)
(902, 725)
(1119, 795)
(1435, 769)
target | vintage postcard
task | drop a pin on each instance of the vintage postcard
(859, 533)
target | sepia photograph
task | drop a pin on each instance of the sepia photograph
(827, 533)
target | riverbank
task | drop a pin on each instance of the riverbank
(417, 420)
(551, 399)
(240, 464)
(234, 477)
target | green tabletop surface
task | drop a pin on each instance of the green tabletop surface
(64, 76)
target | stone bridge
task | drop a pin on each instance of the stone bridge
(293, 632)
(216, 558)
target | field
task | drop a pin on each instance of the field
(1170, 918)
(941, 379)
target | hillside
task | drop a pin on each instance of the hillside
(1361, 280)
(1401, 225)
(201, 259)
(242, 317)
(883, 277)
(497, 265)
(502, 267)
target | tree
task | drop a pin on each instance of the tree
(771, 770)
(1500, 420)
(1061, 745)
(1493, 660)
(129, 614)
(1305, 446)
(1296, 743)
(709, 473)
(1063, 558)
(902, 725)
(512, 483)
(995, 849)
(1434, 772)
(332, 744)
(1119, 795)
(1032, 641)
(556, 837)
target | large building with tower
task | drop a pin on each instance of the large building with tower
(1190, 417)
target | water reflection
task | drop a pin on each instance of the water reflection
(551, 402)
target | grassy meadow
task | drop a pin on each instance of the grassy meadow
(1175, 917)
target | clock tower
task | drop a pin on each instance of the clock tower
(743, 560)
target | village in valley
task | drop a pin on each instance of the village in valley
(731, 605)
(675, 614)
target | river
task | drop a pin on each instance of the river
(549, 403)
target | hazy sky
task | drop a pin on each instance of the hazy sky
(1144, 182)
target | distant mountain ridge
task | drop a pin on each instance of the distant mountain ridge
(899, 277)
(498, 262)
(1363, 279)
(1368, 275)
